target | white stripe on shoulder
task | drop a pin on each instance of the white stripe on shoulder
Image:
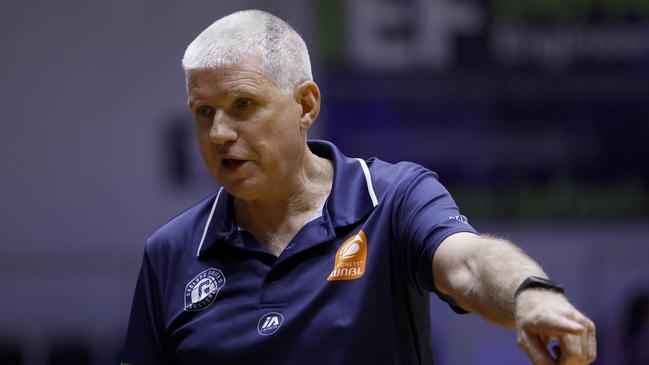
(368, 180)
(209, 219)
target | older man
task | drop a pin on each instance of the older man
(306, 256)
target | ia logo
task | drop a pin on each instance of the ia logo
(269, 323)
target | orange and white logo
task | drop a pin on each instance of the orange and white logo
(350, 258)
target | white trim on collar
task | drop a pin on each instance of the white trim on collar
(207, 224)
(368, 180)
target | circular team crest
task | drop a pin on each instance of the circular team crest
(202, 290)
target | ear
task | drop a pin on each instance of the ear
(307, 95)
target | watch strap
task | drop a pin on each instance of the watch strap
(538, 282)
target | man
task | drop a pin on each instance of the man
(306, 256)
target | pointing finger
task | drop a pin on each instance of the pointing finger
(583, 339)
(592, 344)
(535, 349)
(571, 350)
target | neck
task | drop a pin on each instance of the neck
(277, 218)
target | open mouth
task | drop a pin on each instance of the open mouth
(232, 163)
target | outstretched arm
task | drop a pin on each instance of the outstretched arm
(482, 274)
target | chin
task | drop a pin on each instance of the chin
(243, 190)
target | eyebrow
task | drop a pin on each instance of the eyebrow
(236, 92)
(191, 102)
(242, 91)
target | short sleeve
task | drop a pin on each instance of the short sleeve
(425, 215)
(146, 339)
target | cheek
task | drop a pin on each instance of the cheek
(278, 139)
(276, 153)
(205, 148)
(203, 145)
(201, 136)
(289, 133)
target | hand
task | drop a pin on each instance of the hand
(544, 315)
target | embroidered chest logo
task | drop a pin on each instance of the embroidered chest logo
(350, 258)
(202, 290)
(269, 323)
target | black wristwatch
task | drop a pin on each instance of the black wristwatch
(537, 282)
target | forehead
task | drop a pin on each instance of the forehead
(244, 77)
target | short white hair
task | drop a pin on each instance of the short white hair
(231, 39)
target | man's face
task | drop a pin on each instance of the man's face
(248, 130)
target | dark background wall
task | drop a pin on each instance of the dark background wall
(535, 115)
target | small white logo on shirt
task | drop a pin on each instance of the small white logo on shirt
(201, 291)
(460, 218)
(269, 323)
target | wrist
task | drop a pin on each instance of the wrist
(537, 283)
(530, 300)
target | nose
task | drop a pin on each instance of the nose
(221, 131)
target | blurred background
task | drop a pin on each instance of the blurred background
(534, 113)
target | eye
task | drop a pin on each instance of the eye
(204, 111)
(243, 103)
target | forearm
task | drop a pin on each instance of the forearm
(484, 277)
(482, 274)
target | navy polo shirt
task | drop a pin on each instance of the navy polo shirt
(352, 287)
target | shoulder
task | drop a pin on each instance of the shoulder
(383, 171)
(180, 235)
(394, 178)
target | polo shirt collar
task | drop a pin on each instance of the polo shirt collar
(352, 195)
(352, 198)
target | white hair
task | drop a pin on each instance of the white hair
(229, 40)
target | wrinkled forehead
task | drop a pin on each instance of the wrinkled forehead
(251, 66)
(239, 79)
(248, 68)
(228, 81)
